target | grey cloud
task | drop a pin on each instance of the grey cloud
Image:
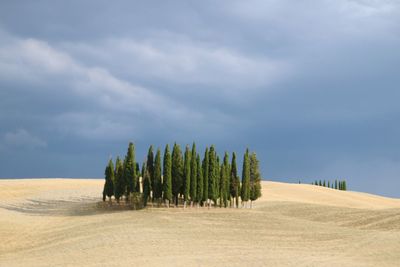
(311, 86)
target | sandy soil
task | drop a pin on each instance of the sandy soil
(57, 222)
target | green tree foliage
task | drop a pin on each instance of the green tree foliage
(213, 167)
(193, 174)
(255, 178)
(119, 187)
(177, 172)
(205, 166)
(167, 175)
(130, 170)
(146, 186)
(186, 173)
(157, 189)
(200, 180)
(234, 180)
(150, 166)
(324, 184)
(137, 172)
(108, 190)
(223, 192)
(245, 194)
(227, 175)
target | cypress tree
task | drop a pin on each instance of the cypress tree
(150, 168)
(205, 166)
(130, 170)
(329, 184)
(137, 172)
(324, 184)
(119, 187)
(227, 176)
(108, 190)
(177, 172)
(200, 180)
(336, 185)
(245, 194)
(235, 181)
(255, 178)
(167, 175)
(193, 175)
(222, 187)
(320, 183)
(146, 186)
(187, 176)
(157, 189)
(212, 175)
(316, 182)
(344, 185)
(218, 176)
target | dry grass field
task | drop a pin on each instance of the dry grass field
(58, 222)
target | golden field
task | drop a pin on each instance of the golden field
(58, 222)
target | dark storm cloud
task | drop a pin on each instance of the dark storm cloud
(312, 87)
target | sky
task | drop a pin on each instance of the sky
(311, 86)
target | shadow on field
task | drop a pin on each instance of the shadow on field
(73, 207)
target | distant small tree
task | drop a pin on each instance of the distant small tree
(200, 180)
(324, 185)
(320, 183)
(329, 184)
(336, 184)
(146, 186)
(186, 171)
(137, 168)
(245, 194)
(344, 185)
(223, 193)
(119, 187)
(235, 181)
(177, 172)
(213, 168)
(108, 190)
(157, 189)
(193, 175)
(205, 168)
(130, 170)
(167, 176)
(150, 168)
(255, 179)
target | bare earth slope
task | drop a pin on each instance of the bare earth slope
(57, 222)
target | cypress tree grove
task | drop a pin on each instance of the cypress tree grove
(212, 175)
(150, 168)
(108, 190)
(193, 175)
(235, 181)
(187, 176)
(255, 179)
(200, 185)
(130, 170)
(245, 194)
(119, 188)
(177, 172)
(205, 175)
(167, 176)
(157, 189)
